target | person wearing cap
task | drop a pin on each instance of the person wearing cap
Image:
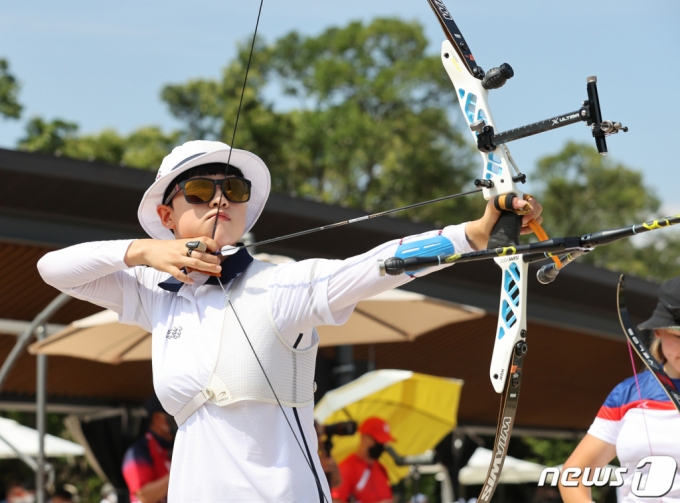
(363, 477)
(146, 464)
(638, 419)
(233, 339)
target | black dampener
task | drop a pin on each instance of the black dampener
(504, 202)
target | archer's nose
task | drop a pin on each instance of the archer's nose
(219, 199)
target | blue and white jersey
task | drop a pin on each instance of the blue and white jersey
(640, 424)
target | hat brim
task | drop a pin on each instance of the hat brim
(253, 168)
(383, 438)
(661, 318)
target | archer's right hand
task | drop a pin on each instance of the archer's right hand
(171, 256)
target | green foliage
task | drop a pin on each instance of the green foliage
(548, 451)
(144, 148)
(9, 90)
(584, 191)
(197, 104)
(47, 137)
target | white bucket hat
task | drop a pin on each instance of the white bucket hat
(195, 153)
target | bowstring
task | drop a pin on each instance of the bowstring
(219, 204)
(297, 440)
(644, 416)
(238, 113)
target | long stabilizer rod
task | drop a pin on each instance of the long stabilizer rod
(395, 265)
(230, 250)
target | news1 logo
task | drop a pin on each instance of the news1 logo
(654, 482)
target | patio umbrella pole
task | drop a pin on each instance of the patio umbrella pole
(25, 337)
(41, 413)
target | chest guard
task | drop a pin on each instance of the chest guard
(237, 375)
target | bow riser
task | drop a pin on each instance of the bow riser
(512, 316)
(473, 100)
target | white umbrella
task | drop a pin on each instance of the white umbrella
(515, 471)
(25, 440)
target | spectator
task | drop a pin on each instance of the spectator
(61, 496)
(20, 492)
(146, 465)
(108, 494)
(362, 475)
(330, 468)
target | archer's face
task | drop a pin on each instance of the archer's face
(190, 221)
(670, 344)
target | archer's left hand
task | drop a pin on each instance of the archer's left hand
(478, 231)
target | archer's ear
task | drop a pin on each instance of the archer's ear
(166, 214)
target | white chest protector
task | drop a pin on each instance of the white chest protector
(238, 375)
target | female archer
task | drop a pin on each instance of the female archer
(638, 419)
(234, 343)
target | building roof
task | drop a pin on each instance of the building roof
(49, 202)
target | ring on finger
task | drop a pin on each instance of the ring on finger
(197, 245)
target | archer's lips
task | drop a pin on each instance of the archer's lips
(220, 216)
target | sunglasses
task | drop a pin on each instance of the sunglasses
(202, 190)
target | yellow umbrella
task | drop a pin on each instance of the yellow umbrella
(420, 409)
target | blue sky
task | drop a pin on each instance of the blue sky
(102, 64)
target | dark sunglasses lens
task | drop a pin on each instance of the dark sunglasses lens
(238, 191)
(199, 191)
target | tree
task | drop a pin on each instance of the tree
(372, 129)
(9, 90)
(47, 137)
(143, 148)
(584, 192)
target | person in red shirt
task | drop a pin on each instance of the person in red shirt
(146, 466)
(364, 479)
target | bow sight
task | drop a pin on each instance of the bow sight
(488, 139)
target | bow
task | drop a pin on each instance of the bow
(499, 182)
(472, 86)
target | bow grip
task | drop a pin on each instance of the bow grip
(506, 232)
